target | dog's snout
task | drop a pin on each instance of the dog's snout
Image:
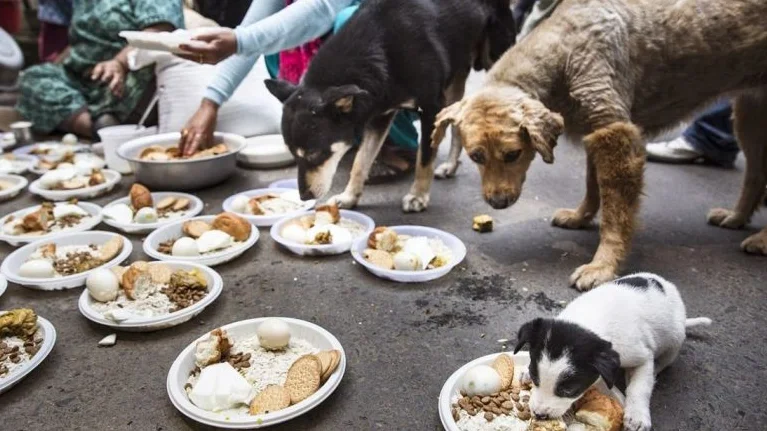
(541, 416)
(500, 201)
(306, 195)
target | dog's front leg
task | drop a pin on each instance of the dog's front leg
(373, 138)
(418, 198)
(641, 380)
(582, 216)
(454, 93)
(619, 158)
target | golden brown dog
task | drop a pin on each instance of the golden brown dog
(615, 71)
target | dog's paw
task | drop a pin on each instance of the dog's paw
(344, 200)
(591, 275)
(414, 203)
(636, 420)
(569, 219)
(446, 170)
(756, 243)
(725, 218)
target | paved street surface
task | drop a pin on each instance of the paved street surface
(403, 341)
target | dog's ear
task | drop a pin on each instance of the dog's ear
(608, 363)
(527, 333)
(346, 98)
(280, 89)
(541, 128)
(450, 115)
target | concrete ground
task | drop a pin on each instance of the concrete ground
(403, 341)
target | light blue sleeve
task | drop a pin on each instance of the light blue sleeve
(270, 27)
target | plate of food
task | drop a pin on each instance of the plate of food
(264, 207)
(256, 373)
(142, 211)
(25, 341)
(83, 162)
(13, 164)
(65, 261)
(493, 393)
(149, 296)
(48, 220)
(409, 254)
(206, 240)
(323, 232)
(11, 186)
(67, 183)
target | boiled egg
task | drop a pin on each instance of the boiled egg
(240, 204)
(481, 380)
(37, 268)
(407, 261)
(120, 213)
(220, 387)
(213, 240)
(102, 285)
(419, 246)
(185, 247)
(294, 232)
(57, 176)
(145, 215)
(273, 334)
(64, 210)
(69, 139)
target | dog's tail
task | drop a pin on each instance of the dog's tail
(697, 321)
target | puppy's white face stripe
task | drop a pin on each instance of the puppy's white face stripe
(543, 400)
(320, 179)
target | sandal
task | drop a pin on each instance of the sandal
(390, 165)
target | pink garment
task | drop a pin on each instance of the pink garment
(294, 62)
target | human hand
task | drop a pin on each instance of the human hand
(210, 46)
(198, 132)
(111, 72)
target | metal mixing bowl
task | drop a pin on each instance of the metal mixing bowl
(191, 174)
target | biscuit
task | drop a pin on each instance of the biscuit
(160, 273)
(335, 359)
(110, 249)
(140, 197)
(326, 358)
(181, 204)
(166, 203)
(504, 365)
(303, 378)
(195, 228)
(271, 399)
(379, 258)
(234, 225)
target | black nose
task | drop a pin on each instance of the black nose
(500, 202)
(541, 417)
(306, 195)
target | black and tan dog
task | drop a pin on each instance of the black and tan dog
(391, 55)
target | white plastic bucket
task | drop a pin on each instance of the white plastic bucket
(114, 136)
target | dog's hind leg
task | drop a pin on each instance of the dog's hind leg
(453, 94)
(418, 198)
(584, 214)
(750, 115)
(641, 380)
(373, 138)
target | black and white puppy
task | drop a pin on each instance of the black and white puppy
(637, 323)
(391, 55)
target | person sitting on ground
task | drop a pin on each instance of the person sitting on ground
(287, 33)
(92, 87)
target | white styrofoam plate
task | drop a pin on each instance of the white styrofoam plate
(146, 324)
(3, 285)
(265, 152)
(112, 178)
(21, 164)
(452, 388)
(49, 339)
(456, 246)
(18, 185)
(184, 364)
(324, 249)
(174, 231)
(195, 207)
(11, 264)
(266, 220)
(15, 240)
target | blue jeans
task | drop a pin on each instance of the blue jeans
(711, 134)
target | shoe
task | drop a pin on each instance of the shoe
(674, 151)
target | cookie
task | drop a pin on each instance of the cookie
(303, 378)
(110, 249)
(504, 365)
(271, 399)
(160, 273)
(195, 228)
(181, 204)
(326, 358)
(335, 357)
(379, 258)
(166, 203)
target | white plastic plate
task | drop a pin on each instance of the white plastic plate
(325, 249)
(265, 152)
(49, 339)
(184, 363)
(19, 184)
(3, 285)
(174, 231)
(456, 246)
(16, 240)
(146, 324)
(11, 264)
(195, 207)
(112, 178)
(266, 220)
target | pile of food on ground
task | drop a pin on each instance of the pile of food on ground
(53, 261)
(157, 153)
(48, 218)
(495, 398)
(144, 290)
(325, 226)
(20, 339)
(268, 204)
(70, 178)
(389, 250)
(143, 209)
(257, 374)
(226, 231)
